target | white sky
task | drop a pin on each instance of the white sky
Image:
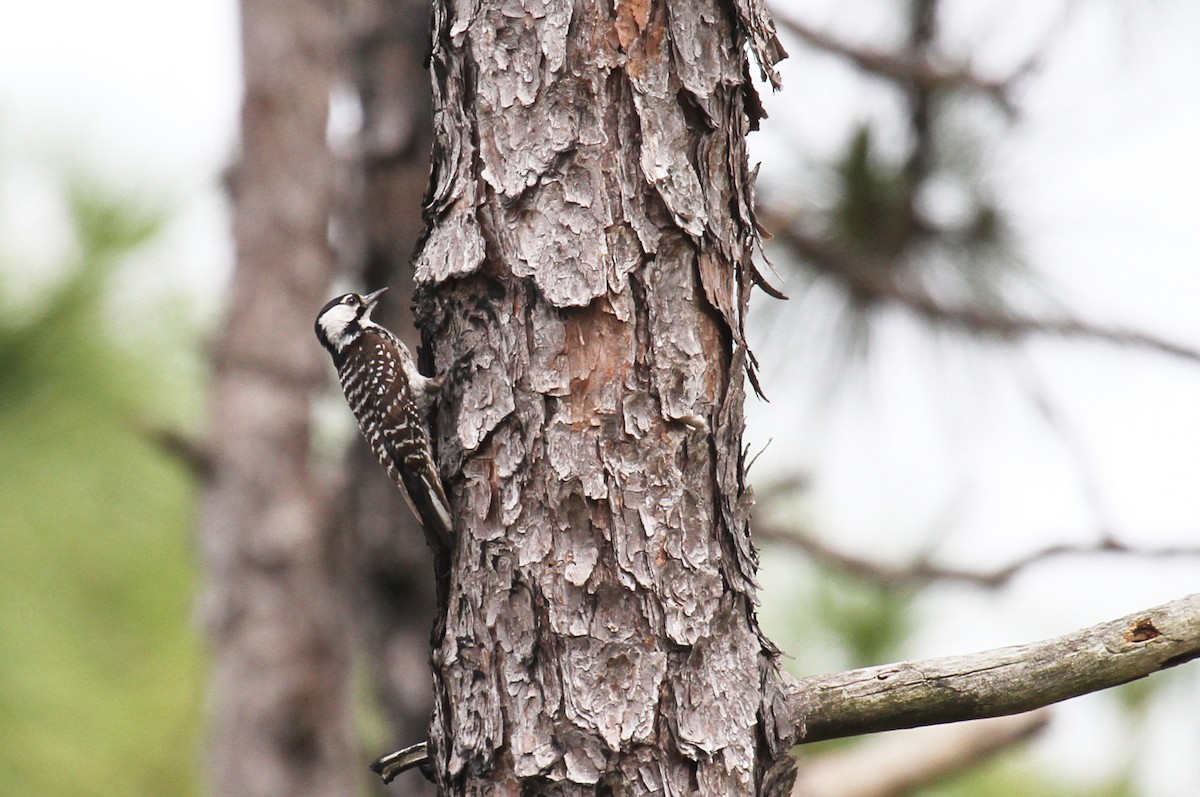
(1102, 174)
(142, 93)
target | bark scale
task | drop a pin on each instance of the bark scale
(585, 279)
(272, 604)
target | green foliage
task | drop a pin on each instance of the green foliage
(873, 213)
(878, 213)
(1136, 697)
(1010, 774)
(828, 620)
(100, 676)
(870, 621)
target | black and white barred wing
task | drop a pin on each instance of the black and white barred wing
(394, 426)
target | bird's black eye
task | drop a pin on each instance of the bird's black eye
(350, 299)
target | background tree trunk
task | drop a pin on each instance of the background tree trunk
(280, 698)
(591, 254)
(386, 175)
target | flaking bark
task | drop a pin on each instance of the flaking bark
(588, 265)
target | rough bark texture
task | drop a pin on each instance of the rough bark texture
(280, 652)
(998, 682)
(591, 241)
(387, 173)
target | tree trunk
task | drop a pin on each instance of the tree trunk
(280, 703)
(387, 174)
(587, 272)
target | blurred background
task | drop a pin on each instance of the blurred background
(981, 427)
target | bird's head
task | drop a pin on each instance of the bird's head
(343, 319)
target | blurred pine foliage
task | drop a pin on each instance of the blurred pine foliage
(100, 670)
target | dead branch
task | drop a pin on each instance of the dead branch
(998, 682)
(893, 767)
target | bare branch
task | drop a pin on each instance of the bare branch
(393, 764)
(1105, 546)
(882, 283)
(997, 682)
(892, 767)
(906, 68)
(922, 571)
(1072, 443)
(185, 449)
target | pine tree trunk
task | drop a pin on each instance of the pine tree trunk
(273, 605)
(587, 274)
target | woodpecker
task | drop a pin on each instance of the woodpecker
(391, 400)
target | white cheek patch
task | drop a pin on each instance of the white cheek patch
(334, 322)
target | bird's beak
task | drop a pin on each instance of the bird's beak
(371, 298)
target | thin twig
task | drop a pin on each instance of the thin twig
(1072, 442)
(191, 452)
(393, 764)
(923, 572)
(879, 283)
(905, 67)
(891, 767)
